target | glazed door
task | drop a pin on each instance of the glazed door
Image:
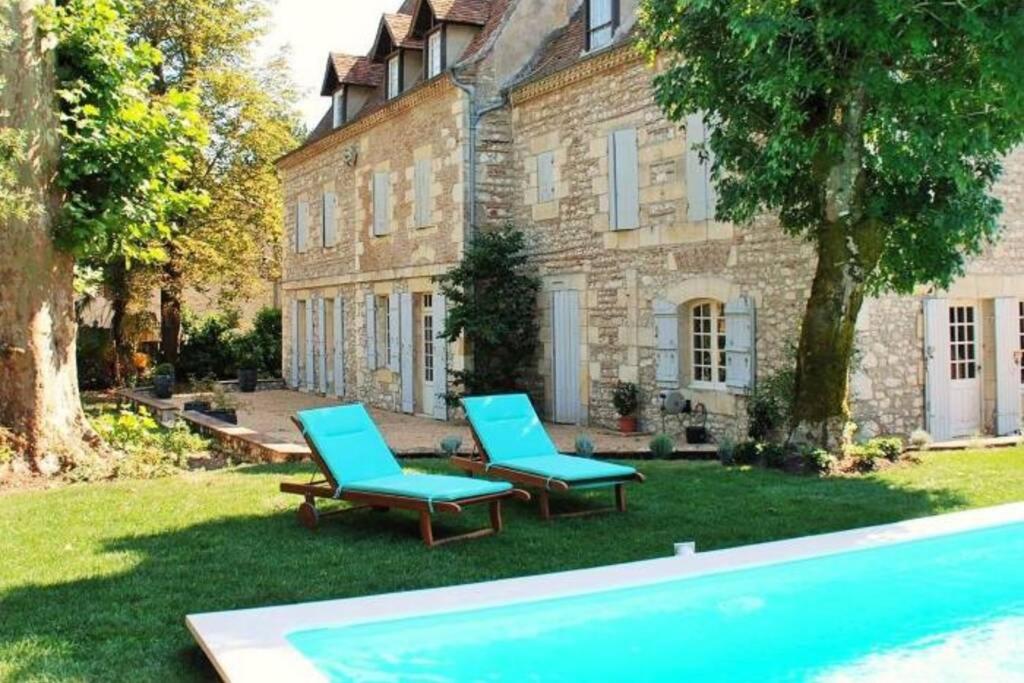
(964, 370)
(425, 361)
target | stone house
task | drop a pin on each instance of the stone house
(468, 114)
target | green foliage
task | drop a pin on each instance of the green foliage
(163, 370)
(492, 301)
(662, 446)
(450, 445)
(727, 452)
(208, 345)
(263, 342)
(891, 447)
(773, 454)
(886, 117)
(145, 449)
(769, 405)
(920, 438)
(15, 201)
(584, 446)
(626, 399)
(817, 460)
(865, 456)
(123, 153)
(746, 453)
(95, 358)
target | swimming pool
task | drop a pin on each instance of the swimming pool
(934, 599)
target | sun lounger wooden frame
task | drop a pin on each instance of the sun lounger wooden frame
(309, 516)
(479, 463)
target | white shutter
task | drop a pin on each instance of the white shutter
(302, 226)
(421, 186)
(394, 340)
(339, 346)
(1007, 371)
(623, 187)
(371, 333)
(381, 220)
(546, 177)
(937, 384)
(294, 376)
(739, 344)
(666, 344)
(308, 383)
(701, 196)
(440, 357)
(330, 229)
(434, 50)
(321, 336)
(565, 330)
(408, 376)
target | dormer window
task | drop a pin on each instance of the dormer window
(602, 20)
(435, 52)
(394, 75)
(338, 103)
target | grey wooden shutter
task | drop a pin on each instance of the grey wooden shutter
(408, 375)
(381, 220)
(937, 383)
(310, 307)
(623, 185)
(565, 329)
(298, 221)
(546, 177)
(294, 376)
(421, 183)
(339, 346)
(330, 228)
(371, 333)
(666, 344)
(440, 357)
(321, 334)
(394, 340)
(739, 344)
(302, 226)
(1007, 371)
(701, 196)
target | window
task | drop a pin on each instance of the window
(707, 329)
(394, 76)
(421, 193)
(383, 332)
(435, 53)
(328, 229)
(381, 203)
(963, 362)
(623, 187)
(546, 177)
(428, 338)
(339, 106)
(602, 19)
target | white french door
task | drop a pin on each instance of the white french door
(964, 369)
(565, 330)
(426, 356)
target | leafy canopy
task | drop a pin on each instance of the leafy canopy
(492, 300)
(882, 115)
(124, 152)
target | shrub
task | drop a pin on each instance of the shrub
(920, 439)
(163, 370)
(626, 399)
(746, 453)
(891, 447)
(264, 341)
(145, 449)
(727, 452)
(817, 460)
(773, 454)
(662, 446)
(584, 446)
(95, 358)
(450, 445)
(769, 405)
(207, 346)
(865, 456)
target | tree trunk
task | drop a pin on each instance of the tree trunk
(39, 399)
(170, 313)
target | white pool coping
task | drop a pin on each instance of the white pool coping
(249, 645)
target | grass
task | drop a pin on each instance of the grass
(97, 578)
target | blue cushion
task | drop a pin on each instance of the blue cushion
(429, 486)
(508, 427)
(570, 468)
(349, 443)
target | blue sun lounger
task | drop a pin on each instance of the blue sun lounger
(512, 444)
(358, 466)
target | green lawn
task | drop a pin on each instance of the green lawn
(95, 579)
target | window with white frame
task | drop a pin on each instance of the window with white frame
(435, 55)
(383, 332)
(707, 340)
(394, 76)
(339, 106)
(602, 18)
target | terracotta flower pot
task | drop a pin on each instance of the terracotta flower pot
(627, 424)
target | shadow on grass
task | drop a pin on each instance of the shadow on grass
(130, 626)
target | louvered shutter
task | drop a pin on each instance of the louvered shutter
(1007, 371)
(295, 350)
(339, 346)
(623, 187)
(421, 182)
(937, 383)
(330, 228)
(308, 382)
(394, 332)
(371, 333)
(408, 375)
(381, 203)
(739, 344)
(440, 357)
(546, 177)
(701, 196)
(666, 344)
(321, 346)
(302, 226)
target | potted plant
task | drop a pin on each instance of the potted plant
(626, 399)
(248, 359)
(223, 406)
(163, 380)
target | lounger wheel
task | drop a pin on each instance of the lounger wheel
(308, 515)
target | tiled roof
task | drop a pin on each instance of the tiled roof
(398, 26)
(462, 11)
(352, 70)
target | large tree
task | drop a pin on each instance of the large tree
(873, 128)
(209, 46)
(99, 170)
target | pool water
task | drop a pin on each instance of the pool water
(949, 608)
